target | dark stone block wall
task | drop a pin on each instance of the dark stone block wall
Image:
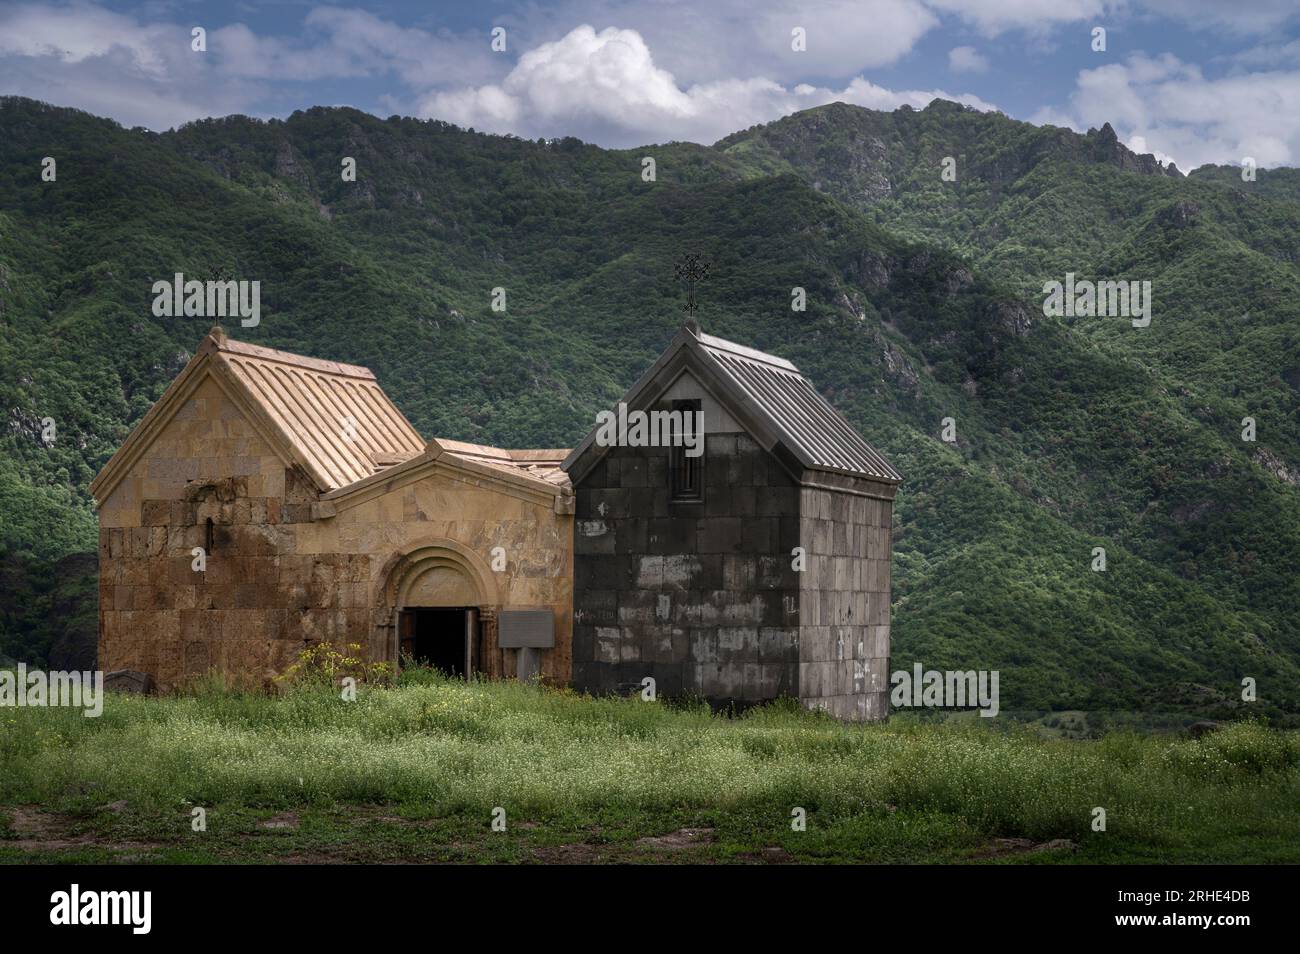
(845, 601)
(700, 596)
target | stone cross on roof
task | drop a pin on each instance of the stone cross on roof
(691, 269)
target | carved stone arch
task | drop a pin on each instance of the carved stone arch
(435, 571)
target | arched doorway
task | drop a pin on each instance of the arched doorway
(439, 604)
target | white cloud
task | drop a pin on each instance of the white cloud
(719, 39)
(1242, 17)
(843, 36)
(995, 17)
(1267, 54)
(1168, 107)
(1140, 145)
(966, 59)
(861, 92)
(111, 64)
(606, 87)
(419, 57)
(79, 32)
(143, 73)
(716, 67)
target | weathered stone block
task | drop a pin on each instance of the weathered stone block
(630, 535)
(633, 472)
(128, 680)
(737, 644)
(607, 644)
(777, 645)
(629, 645)
(720, 535)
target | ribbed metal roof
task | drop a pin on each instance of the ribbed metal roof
(781, 405)
(810, 427)
(331, 419)
(338, 419)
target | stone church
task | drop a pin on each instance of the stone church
(269, 502)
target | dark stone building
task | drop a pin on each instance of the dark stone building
(756, 570)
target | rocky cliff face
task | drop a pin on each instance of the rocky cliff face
(865, 157)
(1107, 148)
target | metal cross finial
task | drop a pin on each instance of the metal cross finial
(692, 270)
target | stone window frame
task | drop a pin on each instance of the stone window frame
(679, 464)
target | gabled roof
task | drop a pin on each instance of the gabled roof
(331, 419)
(543, 464)
(777, 404)
(341, 423)
(534, 474)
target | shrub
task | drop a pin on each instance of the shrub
(324, 665)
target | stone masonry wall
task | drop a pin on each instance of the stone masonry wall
(700, 596)
(537, 544)
(845, 603)
(276, 580)
(244, 613)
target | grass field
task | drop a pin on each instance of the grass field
(415, 772)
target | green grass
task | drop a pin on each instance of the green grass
(414, 773)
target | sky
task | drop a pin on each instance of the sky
(1192, 81)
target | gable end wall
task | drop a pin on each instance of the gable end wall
(695, 595)
(844, 600)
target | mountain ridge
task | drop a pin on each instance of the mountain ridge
(1071, 434)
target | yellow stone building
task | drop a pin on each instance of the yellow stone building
(270, 501)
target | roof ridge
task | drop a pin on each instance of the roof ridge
(770, 398)
(531, 454)
(473, 448)
(753, 354)
(506, 454)
(217, 341)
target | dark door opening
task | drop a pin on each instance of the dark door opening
(436, 637)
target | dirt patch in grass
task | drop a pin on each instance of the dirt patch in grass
(315, 858)
(579, 853)
(380, 834)
(369, 814)
(279, 822)
(774, 855)
(1002, 847)
(37, 830)
(678, 840)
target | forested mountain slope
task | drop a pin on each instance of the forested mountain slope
(924, 302)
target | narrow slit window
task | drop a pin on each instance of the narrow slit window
(686, 472)
(207, 536)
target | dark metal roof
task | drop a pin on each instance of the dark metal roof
(778, 400)
(809, 426)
